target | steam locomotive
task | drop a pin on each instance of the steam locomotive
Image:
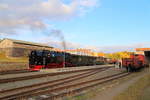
(39, 59)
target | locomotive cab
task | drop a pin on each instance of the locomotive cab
(36, 60)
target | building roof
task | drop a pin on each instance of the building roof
(27, 43)
(142, 49)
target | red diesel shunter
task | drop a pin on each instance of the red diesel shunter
(136, 61)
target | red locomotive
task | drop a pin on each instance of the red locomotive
(136, 61)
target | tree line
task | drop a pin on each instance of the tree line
(118, 55)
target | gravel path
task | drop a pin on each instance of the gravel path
(17, 84)
(44, 71)
(114, 89)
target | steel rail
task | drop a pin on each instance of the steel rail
(51, 83)
(79, 90)
(68, 86)
(15, 71)
(41, 75)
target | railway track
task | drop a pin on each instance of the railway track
(75, 91)
(65, 90)
(7, 80)
(16, 72)
(25, 91)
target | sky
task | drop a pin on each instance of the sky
(100, 25)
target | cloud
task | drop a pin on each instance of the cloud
(118, 48)
(69, 45)
(59, 41)
(106, 49)
(3, 6)
(31, 14)
(88, 3)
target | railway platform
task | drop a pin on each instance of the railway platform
(54, 70)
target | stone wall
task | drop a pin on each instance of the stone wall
(6, 44)
(20, 49)
(7, 51)
(16, 52)
(20, 52)
(4, 66)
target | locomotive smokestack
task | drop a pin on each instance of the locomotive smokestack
(55, 33)
(60, 35)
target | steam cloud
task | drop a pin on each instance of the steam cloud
(33, 14)
(60, 35)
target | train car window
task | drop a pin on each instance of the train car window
(48, 55)
(53, 55)
(45, 53)
(39, 53)
(33, 53)
(57, 54)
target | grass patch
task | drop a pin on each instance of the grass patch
(146, 94)
(3, 58)
(83, 96)
(92, 93)
(135, 91)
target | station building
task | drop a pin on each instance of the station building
(19, 48)
(146, 52)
